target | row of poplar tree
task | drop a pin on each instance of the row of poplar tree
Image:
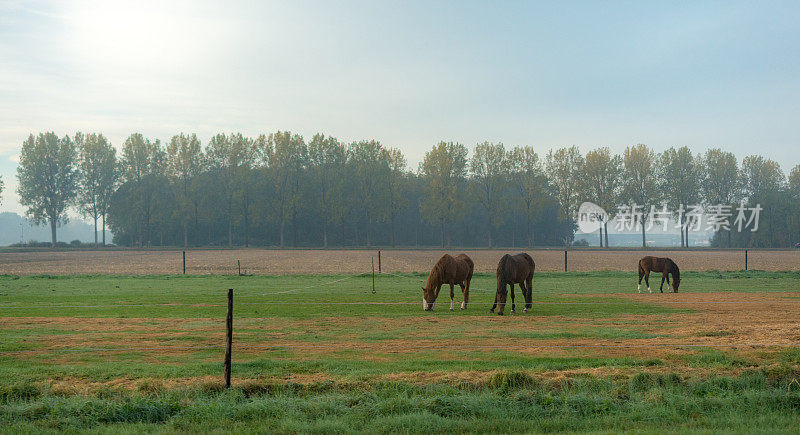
(280, 189)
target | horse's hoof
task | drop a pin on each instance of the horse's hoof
(491, 311)
(499, 314)
(525, 310)
(513, 312)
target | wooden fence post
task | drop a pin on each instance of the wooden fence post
(373, 275)
(379, 261)
(565, 260)
(184, 262)
(228, 339)
(239, 267)
(745, 259)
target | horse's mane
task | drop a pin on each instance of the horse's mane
(436, 274)
(501, 266)
(677, 273)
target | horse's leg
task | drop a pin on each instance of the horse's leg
(491, 310)
(452, 295)
(669, 286)
(524, 295)
(436, 297)
(663, 277)
(512, 298)
(463, 296)
(641, 275)
(647, 280)
(466, 293)
(529, 289)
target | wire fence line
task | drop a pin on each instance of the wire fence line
(414, 347)
(310, 286)
(440, 301)
(417, 347)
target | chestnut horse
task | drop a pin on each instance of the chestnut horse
(448, 270)
(657, 264)
(514, 269)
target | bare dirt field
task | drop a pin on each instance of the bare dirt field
(268, 261)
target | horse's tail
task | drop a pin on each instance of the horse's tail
(641, 269)
(470, 263)
(530, 261)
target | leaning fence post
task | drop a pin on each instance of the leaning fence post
(565, 260)
(373, 275)
(745, 259)
(184, 262)
(228, 339)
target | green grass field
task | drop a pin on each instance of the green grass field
(325, 354)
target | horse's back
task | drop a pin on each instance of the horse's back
(515, 267)
(657, 264)
(466, 266)
(529, 259)
(445, 259)
(465, 258)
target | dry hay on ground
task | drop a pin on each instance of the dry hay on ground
(278, 262)
(741, 326)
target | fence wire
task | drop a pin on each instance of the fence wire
(413, 347)
(368, 347)
(440, 302)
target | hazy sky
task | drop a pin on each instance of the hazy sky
(409, 74)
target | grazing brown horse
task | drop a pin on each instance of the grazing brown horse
(657, 264)
(448, 270)
(514, 269)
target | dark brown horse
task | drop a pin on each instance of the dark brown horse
(657, 264)
(514, 269)
(448, 270)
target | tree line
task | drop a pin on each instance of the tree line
(280, 189)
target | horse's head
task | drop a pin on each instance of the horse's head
(676, 277)
(428, 299)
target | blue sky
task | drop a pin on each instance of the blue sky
(546, 74)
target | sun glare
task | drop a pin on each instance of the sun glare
(130, 34)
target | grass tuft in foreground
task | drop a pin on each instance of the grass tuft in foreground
(511, 401)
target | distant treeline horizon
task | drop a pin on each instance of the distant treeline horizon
(280, 190)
